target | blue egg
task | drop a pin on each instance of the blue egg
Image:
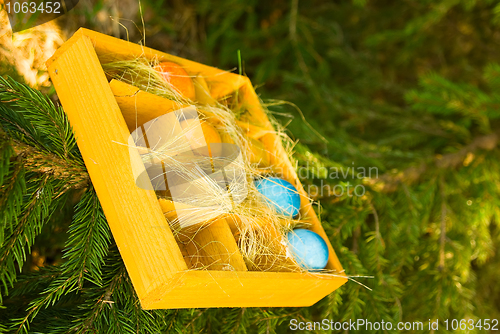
(308, 249)
(281, 195)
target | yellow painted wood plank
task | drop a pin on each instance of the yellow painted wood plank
(139, 107)
(203, 288)
(253, 131)
(213, 247)
(251, 102)
(108, 48)
(139, 228)
(169, 210)
(202, 91)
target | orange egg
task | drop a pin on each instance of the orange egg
(197, 139)
(177, 77)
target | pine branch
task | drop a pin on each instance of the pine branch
(57, 320)
(35, 212)
(5, 153)
(34, 160)
(11, 199)
(35, 282)
(58, 288)
(28, 225)
(21, 107)
(101, 314)
(390, 183)
(50, 147)
(442, 237)
(88, 242)
(46, 158)
(87, 245)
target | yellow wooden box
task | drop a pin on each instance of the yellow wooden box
(155, 261)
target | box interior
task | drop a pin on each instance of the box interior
(213, 246)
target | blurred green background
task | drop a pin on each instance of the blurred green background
(409, 87)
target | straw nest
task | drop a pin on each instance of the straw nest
(258, 229)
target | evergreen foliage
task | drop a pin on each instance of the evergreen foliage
(411, 88)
